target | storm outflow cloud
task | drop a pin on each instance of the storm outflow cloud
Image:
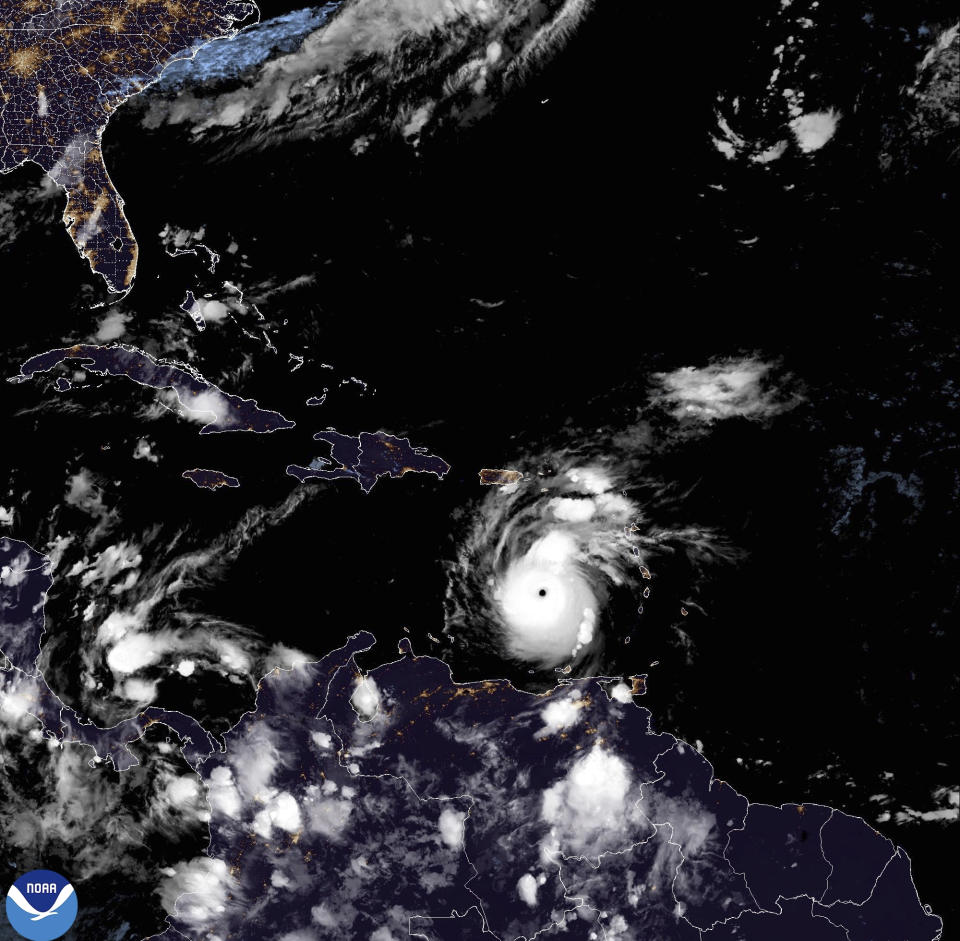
(379, 67)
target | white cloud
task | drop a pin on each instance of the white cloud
(214, 311)
(527, 889)
(572, 510)
(727, 388)
(56, 548)
(815, 129)
(204, 311)
(560, 714)
(690, 822)
(313, 90)
(590, 479)
(546, 602)
(178, 799)
(588, 809)
(451, 828)
(222, 793)
(109, 563)
(112, 326)
(329, 817)
(231, 655)
(6, 516)
(254, 760)
(139, 691)
(287, 657)
(137, 651)
(117, 624)
(774, 152)
(206, 407)
(282, 811)
(197, 891)
(15, 572)
(366, 699)
(383, 933)
(143, 451)
(947, 812)
(182, 789)
(417, 121)
(323, 916)
(83, 493)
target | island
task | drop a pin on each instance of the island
(490, 477)
(368, 457)
(198, 396)
(210, 479)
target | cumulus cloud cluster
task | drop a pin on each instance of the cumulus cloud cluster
(561, 713)
(735, 387)
(782, 108)
(588, 810)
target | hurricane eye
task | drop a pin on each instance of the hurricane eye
(546, 575)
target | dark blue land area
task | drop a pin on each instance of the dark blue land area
(23, 589)
(368, 457)
(67, 68)
(231, 413)
(397, 794)
(369, 781)
(210, 479)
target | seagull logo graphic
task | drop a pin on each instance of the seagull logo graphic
(41, 905)
(17, 898)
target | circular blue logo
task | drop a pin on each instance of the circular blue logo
(41, 905)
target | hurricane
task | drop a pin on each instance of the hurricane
(570, 568)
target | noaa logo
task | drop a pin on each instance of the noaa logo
(41, 905)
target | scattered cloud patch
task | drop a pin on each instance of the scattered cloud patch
(109, 563)
(112, 326)
(83, 493)
(727, 388)
(143, 451)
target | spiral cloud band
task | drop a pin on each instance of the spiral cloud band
(548, 605)
(560, 570)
